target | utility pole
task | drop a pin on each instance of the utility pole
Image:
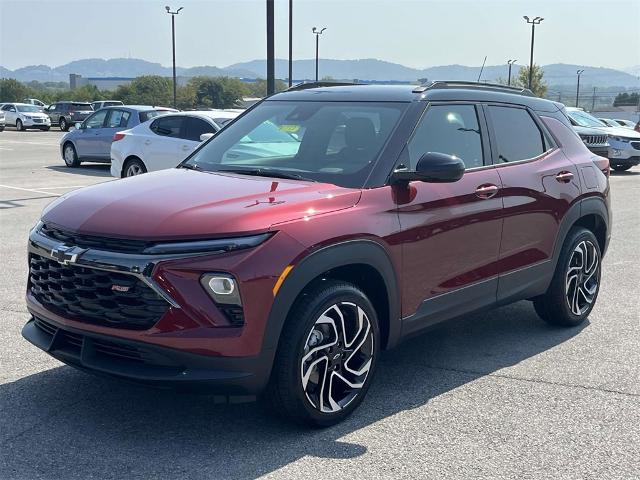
(173, 44)
(510, 63)
(317, 34)
(533, 22)
(593, 100)
(579, 73)
(271, 61)
(290, 42)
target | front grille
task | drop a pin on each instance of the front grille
(635, 145)
(88, 295)
(90, 241)
(594, 139)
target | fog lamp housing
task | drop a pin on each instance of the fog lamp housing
(223, 289)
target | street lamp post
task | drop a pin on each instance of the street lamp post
(579, 72)
(173, 44)
(510, 63)
(290, 42)
(317, 33)
(535, 21)
(271, 55)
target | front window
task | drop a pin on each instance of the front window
(333, 142)
(583, 119)
(27, 108)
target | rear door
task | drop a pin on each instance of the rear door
(450, 231)
(539, 185)
(162, 148)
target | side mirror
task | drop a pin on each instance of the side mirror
(433, 167)
(206, 136)
(78, 125)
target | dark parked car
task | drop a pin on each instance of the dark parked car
(290, 273)
(66, 114)
(91, 139)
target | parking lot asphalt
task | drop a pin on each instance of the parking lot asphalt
(497, 395)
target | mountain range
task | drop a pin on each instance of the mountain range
(362, 69)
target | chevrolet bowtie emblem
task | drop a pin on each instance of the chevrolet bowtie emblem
(66, 255)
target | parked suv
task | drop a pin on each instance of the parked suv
(66, 114)
(289, 273)
(24, 116)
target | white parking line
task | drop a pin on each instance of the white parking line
(31, 190)
(62, 188)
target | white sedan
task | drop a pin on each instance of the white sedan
(165, 141)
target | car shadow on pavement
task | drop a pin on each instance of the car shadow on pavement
(625, 173)
(61, 423)
(94, 169)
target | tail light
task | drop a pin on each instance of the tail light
(602, 164)
(118, 136)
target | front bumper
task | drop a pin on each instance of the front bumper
(624, 153)
(145, 363)
(30, 122)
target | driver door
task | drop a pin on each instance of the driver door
(450, 231)
(87, 141)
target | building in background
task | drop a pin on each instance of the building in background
(108, 83)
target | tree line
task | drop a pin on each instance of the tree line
(199, 92)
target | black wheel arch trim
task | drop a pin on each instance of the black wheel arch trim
(342, 254)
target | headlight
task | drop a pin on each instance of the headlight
(621, 139)
(208, 246)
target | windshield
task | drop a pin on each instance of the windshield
(27, 108)
(584, 119)
(333, 142)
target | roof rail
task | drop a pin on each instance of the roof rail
(496, 87)
(305, 85)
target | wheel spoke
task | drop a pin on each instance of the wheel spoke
(581, 281)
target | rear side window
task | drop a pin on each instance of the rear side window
(450, 129)
(80, 107)
(118, 118)
(196, 127)
(517, 134)
(167, 126)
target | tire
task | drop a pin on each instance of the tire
(70, 155)
(45, 129)
(63, 124)
(133, 167)
(19, 125)
(576, 281)
(621, 168)
(315, 351)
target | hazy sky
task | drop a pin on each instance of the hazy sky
(417, 33)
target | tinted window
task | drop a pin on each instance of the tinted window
(517, 135)
(80, 107)
(118, 118)
(450, 129)
(96, 120)
(111, 104)
(148, 115)
(167, 126)
(196, 127)
(6, 108)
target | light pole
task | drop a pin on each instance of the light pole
(317, 33)
(579, 72)
(510, 63)
(173, 44)
(533, 22)
(271, 56)
(290, 42)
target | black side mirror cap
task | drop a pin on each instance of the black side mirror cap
(432, 167)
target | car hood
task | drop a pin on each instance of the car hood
(35, 114)
(619, 132)
(180, 203)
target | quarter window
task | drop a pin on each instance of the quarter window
(196, 127)
(517, 134)
(450, 129)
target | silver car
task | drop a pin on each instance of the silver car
(24, 116)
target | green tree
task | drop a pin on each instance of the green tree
(146, 90)
(538, 85)
(12, 90)
(259, 87)
(218, 92)
(626, 99)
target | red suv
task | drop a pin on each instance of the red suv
(318, 229)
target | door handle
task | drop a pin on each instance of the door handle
(486, 191)
(564, 177)
(147, 142)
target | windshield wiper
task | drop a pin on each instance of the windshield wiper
(265, 172)
(190, 166)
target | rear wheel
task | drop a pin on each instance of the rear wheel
(134, 167)
(70, 156)
(327, 355)
(620, 168)
(63, 124)
(19, 126)
(576, 282)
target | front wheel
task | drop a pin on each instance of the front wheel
(19, 126)
(621, 168)
(70, 156)
(576, 281)
(327, 355)
(63, 124)
(45, 129)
